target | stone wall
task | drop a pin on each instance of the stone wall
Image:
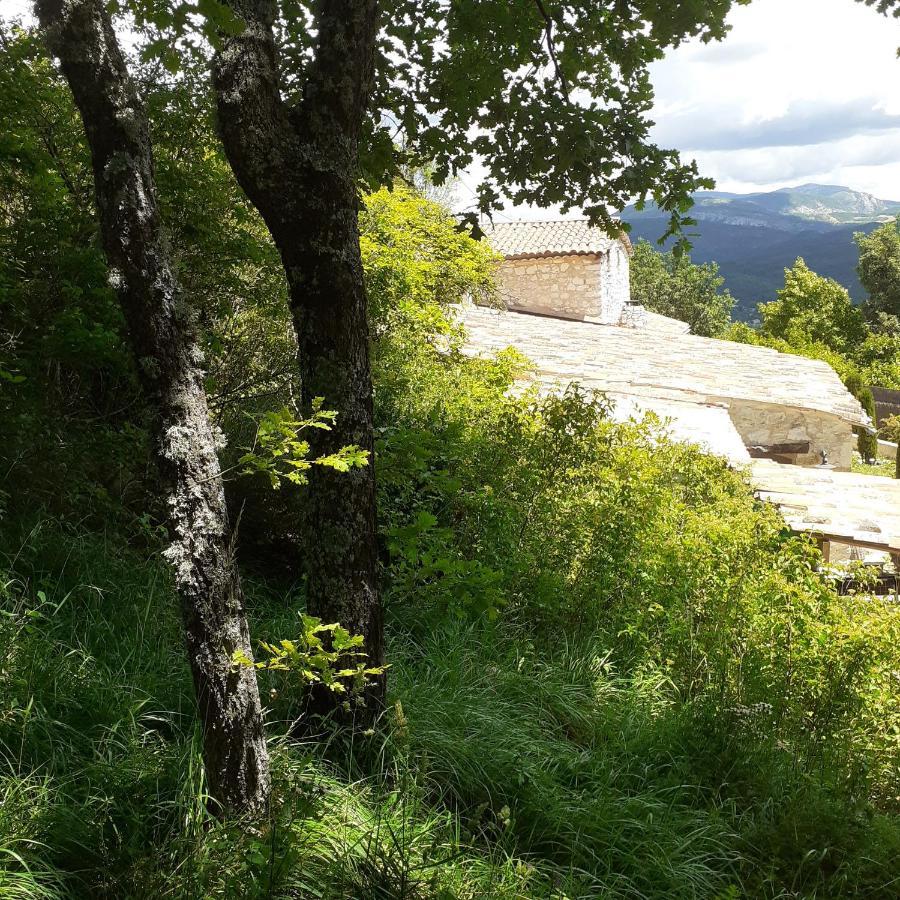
(887, 450)
(568, 287)
(765, 424)
(564, 286)
(615, 284)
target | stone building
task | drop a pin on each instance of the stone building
(563, 268)
(787, 408)
(736, 399)
(789, 420)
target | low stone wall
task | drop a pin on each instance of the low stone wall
(763, 424)
(887, 450)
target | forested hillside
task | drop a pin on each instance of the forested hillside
(754, 237)
(593, 665)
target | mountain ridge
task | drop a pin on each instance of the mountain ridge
(754, 237)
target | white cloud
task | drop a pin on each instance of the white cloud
(809, 93)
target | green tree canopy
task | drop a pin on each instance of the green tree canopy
(813, 309)
(674, 286)
(879, 268)
(552, 99)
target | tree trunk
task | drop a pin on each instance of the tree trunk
(298, 166)
(80, 34)
(329, 309)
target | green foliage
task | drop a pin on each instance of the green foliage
(526, 757)
(281, 455)
(427, 561)
(882, 467)
(417, 261)
(321, 654)
(867, 444)
(614, 673)
(890, 429)
(69, 401)
(459, 80)
(812, 309)
(56, 307)
(814, 317)
(674, 286)
(879, 268)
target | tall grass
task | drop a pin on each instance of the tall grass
(511, 768)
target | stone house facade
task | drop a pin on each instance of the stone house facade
(793, 435)
(565, 269)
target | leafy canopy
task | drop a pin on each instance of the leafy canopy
(417, 261)
(674, 286)
(281, 454)
(879, 268)
(813, 308)
(551, 98)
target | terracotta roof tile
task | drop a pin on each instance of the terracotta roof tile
(560, 237)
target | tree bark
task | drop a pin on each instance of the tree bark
(298, 165)
(80, 34)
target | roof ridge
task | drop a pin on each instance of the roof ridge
(545, 221)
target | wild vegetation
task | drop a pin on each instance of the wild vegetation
(810, 316)
(611, 671)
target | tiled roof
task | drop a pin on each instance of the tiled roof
(560, 237)
(645, 363)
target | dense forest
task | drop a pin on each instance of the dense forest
(299, 600)
(754, 237)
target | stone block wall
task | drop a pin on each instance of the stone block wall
(593, 286)
(765, 424)
(887, 449)
(563, 286)
(615, 284)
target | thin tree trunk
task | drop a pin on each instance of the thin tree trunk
(298, 166)
(80, 34)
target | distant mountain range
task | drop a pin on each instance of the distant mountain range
(754, 237)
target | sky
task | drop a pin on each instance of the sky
(799, 91)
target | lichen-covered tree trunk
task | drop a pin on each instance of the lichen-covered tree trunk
(298, 165)
(80, 34)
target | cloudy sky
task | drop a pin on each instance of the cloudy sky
(801, 90)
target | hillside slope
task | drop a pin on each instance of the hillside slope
(753, 237)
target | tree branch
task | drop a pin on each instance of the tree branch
(551, 48)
